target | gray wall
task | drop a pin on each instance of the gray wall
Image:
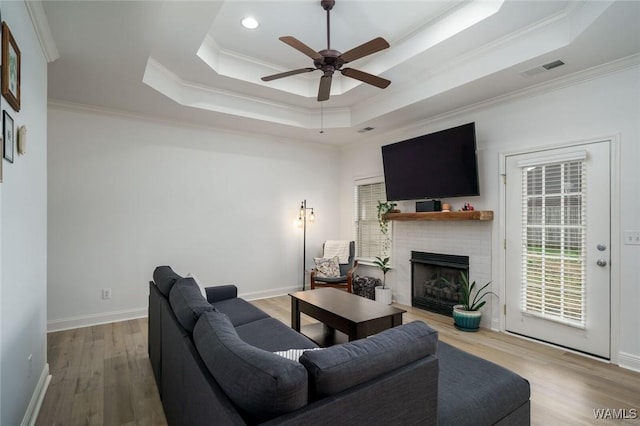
(127, 194)
(23, 234)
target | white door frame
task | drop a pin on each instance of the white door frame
(615, 234)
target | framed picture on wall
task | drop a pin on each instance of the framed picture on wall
(8, 135)
(10, 86)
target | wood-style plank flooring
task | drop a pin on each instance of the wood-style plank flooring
(102, 376)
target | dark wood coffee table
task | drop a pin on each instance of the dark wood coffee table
(355, 316)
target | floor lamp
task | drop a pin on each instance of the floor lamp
(302, 223)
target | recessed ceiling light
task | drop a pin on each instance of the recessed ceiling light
(250, 23)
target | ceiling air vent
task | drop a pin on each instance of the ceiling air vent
(544, 68)
(366, 129)
(552, 65)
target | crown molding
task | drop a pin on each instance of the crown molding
(193, 95)
(42, 29)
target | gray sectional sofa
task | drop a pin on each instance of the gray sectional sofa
(214, 362)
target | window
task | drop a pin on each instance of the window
(369, 239)
(554, 241)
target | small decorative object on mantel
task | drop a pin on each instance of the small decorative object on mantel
(8, 135)
(10, 86)
(467, 207)
(446, 207)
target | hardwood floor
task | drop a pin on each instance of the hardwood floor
(102, 376)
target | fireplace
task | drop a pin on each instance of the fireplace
(435, 280)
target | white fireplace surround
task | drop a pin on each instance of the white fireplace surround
(462, 238)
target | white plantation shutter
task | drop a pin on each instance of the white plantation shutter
(553, 259)
(368, 235)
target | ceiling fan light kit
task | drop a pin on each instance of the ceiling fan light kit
(329, 61)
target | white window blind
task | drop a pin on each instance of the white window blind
(369, 239)
(553, 260)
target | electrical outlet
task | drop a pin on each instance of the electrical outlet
(106, 293)
(631, 238)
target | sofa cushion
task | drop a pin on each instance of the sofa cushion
(187, 303)
(272, 335)
(340, 367)
(499, 391)
(261, 383)
(239, 311)
(165, 278)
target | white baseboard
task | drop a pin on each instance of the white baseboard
(282, 291)
(33, 409)
(95, 319)
(628, 361)
(124, 315)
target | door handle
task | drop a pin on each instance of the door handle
(601, 262)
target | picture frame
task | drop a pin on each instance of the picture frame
(10, 86)
(8, 134)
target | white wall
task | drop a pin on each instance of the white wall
(583, 110)
(127, 194)
(23, 232)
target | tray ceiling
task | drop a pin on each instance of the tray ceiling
(194, 62)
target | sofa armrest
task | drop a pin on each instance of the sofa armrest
(221, 292)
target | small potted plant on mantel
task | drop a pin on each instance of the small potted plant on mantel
(383, 294)
(467, 314)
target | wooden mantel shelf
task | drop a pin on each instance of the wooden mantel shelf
(467, 215)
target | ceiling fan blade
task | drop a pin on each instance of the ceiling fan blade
(372, 46)
(300, 46)
(325, 87)
(365, 77)
(287, 74)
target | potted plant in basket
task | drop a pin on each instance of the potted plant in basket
(383, 294)
(467, 314)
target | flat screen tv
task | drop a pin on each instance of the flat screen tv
(437, 165)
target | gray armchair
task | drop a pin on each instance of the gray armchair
(345, 280)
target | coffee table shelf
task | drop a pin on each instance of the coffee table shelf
(323, 335)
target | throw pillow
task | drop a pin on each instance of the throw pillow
(202, 289)
(329, 268)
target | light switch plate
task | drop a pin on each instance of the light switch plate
(631, 238)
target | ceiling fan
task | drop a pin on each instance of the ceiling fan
(329, 61)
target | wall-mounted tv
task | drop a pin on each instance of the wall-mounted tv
(437, 165)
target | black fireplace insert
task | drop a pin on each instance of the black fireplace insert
(436, 280)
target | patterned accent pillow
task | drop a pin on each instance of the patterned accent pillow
(294, 354)
(328, 268)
